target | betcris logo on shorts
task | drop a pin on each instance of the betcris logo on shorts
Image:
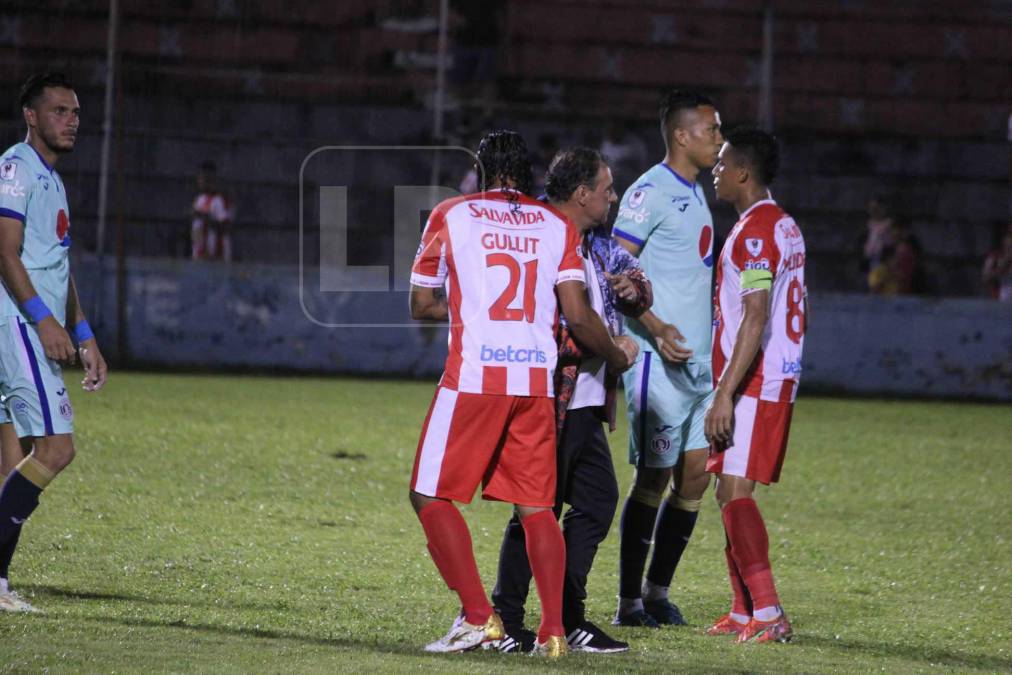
(511, 354)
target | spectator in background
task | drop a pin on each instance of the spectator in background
(997, 272)
(211, 223)
(879, 234)
(898, 270)
(906, 258)
(882, 275)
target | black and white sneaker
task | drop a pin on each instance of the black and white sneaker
(590, 638)
(516, 641)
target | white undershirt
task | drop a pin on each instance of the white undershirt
(589, 390)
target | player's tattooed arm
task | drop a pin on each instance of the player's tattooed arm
(428, 303)
(719, 422)
(668, 338)
(55, 342)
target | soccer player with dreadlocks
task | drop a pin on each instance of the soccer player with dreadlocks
(508, 262)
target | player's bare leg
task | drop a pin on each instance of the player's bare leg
(675, 522)
(639, 516)
(749, 550)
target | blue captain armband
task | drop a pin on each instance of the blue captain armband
(35, 308)
(82, 331)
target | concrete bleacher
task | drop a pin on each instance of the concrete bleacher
(910, 99)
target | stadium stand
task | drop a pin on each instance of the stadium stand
(905, 98)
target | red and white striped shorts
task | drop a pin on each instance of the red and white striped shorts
(760, 441)
(506, 443)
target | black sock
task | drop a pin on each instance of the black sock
(18, 498)
(513, 581)
(7, 553)
(637, 525)
(674, 527)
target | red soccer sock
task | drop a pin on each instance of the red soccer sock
(444, 571)
(750, 549)
(546, 549)
(450, 544)
(742, 602)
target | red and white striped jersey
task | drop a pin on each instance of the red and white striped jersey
(500, 261)
(764, 241)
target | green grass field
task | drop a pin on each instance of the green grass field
(241, 524)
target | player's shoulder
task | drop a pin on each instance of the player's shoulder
(762, 217)
(554, 213)
(17, 164)
(643, 188)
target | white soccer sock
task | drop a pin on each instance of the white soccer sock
(740, 618)
(630, 605)
(4, 585)
(767, 613)
(652, 591)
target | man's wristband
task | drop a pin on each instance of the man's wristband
(82, 331)
(35, 308)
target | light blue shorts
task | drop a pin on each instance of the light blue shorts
(666, 404)
(32, 385)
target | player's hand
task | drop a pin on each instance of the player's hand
(629, 348)
(623, 287)
(718, 424)
(95, 370)
(55, 341)
(668, 339)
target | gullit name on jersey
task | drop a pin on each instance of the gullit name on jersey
(506, 216)
(510, 242)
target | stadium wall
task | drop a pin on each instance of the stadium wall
(208, 316)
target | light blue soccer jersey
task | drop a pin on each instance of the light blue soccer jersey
(669, 218)
(32, 192)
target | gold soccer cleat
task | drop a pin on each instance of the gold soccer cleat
(553, 648)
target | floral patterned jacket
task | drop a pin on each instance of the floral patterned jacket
(607, 256)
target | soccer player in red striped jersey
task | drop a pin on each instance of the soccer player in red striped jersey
(759, 328)
(503, 258)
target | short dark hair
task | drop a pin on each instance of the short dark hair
(207, 166)
(35, 85)
(503, 157)
(757, 148)
(673, 103)
(570, 169)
